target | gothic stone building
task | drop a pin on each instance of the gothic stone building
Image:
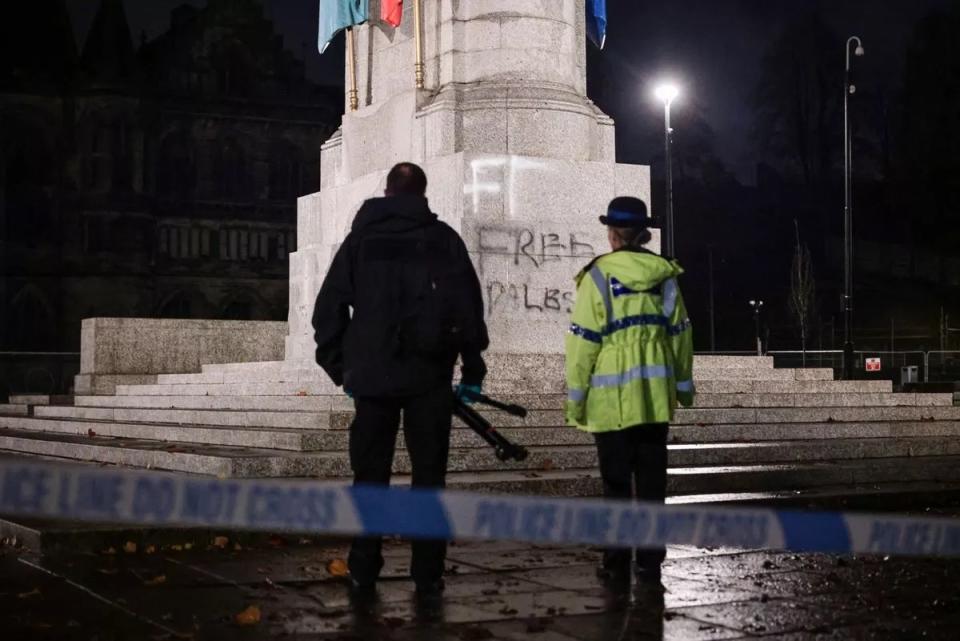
(153, 180)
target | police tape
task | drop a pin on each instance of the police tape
(150, 498)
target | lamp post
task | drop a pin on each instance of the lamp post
(756, 305)
(666, 93)
(848, 90)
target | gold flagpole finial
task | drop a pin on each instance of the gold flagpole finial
(352, 65)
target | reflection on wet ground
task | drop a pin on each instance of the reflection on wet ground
(494, 591)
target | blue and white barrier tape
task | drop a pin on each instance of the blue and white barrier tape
(156, 498)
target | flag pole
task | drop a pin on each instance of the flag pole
(352, 65)
(418, 44)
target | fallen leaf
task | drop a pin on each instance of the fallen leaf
(301, 393)
(160, 579)
(32, 593)
(91, 433)
(220, 541)
(338, 567)
(130, 547)
(248, 616)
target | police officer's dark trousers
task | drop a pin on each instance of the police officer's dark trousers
(426, 429)
(633, 464)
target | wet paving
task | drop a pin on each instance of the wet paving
(494, 591)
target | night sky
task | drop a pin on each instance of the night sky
(712, 47)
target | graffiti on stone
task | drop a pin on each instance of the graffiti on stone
(530, 269)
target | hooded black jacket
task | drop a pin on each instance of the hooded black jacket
(377, 320)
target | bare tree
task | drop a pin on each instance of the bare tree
(802, 290)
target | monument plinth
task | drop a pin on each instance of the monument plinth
(519, 160)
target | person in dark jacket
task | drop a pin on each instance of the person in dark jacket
(400, 303)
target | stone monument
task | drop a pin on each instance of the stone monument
(519, 160)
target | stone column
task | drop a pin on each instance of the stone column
(517, 157)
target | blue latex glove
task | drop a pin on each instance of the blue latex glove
(460, 392)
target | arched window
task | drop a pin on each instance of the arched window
(231, 179)
(235, 69)
(122, 156)
(98, 157)
(26, 183)
(176, 169)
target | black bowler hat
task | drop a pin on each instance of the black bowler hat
(627, 211)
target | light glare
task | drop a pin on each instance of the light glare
(666, 92)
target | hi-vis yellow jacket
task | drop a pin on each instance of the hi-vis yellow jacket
(630, 346)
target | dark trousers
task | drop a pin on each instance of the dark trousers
(373, 437)
(633, 464)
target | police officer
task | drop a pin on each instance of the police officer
(400, 303)
(629, 361)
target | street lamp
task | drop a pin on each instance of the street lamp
(756, 305)
(848, 90)
(666, 93)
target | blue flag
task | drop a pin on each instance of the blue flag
(597, 21)
(336, 15)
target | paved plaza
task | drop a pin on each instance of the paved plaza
(494, 591)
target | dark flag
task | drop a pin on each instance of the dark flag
(597, 22)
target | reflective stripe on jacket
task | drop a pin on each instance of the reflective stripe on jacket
(630, 346)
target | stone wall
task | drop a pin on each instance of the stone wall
(118, 351)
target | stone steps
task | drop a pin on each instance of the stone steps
(224, 460)
(691, 434)
(41, 399)
(253, 437)
(855, 399)
(500, 387)
(242, 403)
(730, 479)
(227, 418)
(170, 425)
(756, 430)
(14, 409)
(297, 417)
(316, 403)
(273, 438)
(498, 363)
